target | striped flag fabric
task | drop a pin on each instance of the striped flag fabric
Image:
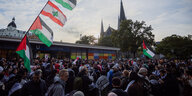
(74, 62)
(69, 4)
(41, 30)
(25, 52)
(147, 52)
(54, 13)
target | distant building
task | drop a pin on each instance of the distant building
(12, 32)
(110, 29)
(108, 32)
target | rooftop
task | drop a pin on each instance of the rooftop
(57, 43)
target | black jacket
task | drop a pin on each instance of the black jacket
(34, 89)
(119, 92)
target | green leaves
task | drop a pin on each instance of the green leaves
(86, 40)
(175, 46)
(131, 34)
(106, 41)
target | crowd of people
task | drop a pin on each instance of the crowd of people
(122, 77)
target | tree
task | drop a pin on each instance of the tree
(105, 41)
(131, 34)
(86, 40)
(175, 46)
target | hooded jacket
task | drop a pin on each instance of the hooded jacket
(57, 88)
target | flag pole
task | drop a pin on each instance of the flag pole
(36, 17)
(34, 21)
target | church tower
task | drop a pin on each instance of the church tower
(122, 15)
(109, 30)
(102, 29)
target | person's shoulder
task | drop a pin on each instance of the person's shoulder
(42, 80)
(119, 92)
(28, 84)
(102, 77)
(58, 85)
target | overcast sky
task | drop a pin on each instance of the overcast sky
(167, 17)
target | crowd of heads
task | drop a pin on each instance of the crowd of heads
(120, 77)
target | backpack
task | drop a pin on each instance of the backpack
(78, 83)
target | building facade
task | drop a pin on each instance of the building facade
(11, 37)
(12, 32)
(58, 50)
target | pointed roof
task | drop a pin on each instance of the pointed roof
(109, 31)
(102, 29)
(122, 13)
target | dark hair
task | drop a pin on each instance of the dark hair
(14, 70)
(162, 71)
(103, 72)
(189, 72)
(69, 65)
(37, 73)
(134, 76)
(82, 73)
(116, 81)
(111, 65)
(21, 72)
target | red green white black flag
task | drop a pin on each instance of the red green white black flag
(25, 52)
(147, 52)
(41, 30)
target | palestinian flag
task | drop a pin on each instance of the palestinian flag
(69, 4)
(147, 52)
(41, 30)
(54, 13)
(24, 51)
(74, 62)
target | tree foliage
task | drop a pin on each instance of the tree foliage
(175, 46)
(131, 34)
(105, 41)
(86, 40)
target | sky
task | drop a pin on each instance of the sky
(166, 17)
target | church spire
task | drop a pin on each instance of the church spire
(102, 29)
(122, 15)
